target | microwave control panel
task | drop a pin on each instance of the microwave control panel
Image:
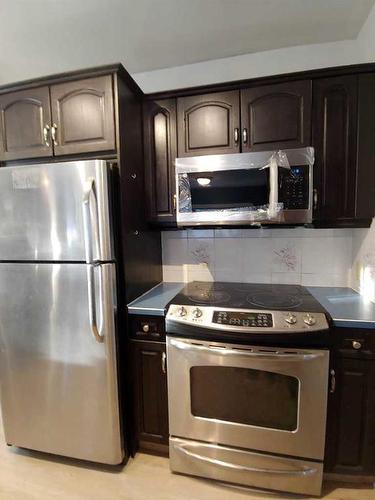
(294, 187)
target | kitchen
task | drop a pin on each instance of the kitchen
(187, 271)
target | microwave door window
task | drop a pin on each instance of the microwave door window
(245, 396)
(228, 190)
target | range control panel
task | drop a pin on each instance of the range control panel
(235, 318)
(246, 320)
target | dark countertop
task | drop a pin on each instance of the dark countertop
(154, 301)
(346, 307)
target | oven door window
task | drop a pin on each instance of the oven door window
(245, 396)
(226, 189)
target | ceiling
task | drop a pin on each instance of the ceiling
(48, 36)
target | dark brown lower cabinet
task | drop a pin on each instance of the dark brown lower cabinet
(150, 396)
(350, 444)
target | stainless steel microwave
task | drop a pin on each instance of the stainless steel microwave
(245, 188)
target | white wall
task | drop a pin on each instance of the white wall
(363, 267)
(366, 39)
(321, 257)
(272, 62)
(265, 63)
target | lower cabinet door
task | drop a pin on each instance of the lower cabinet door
(150, 395)
(350, 445)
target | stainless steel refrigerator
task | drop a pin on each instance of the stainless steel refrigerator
(58, 363)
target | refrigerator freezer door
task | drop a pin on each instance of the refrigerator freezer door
(55, 212)
(58, 381)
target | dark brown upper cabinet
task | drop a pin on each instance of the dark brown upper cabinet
(208, 124)
(365, 196)
(160, 149)
(83, 116)
(62, 119)
(276, 116)
(25, 124)
(335, 143)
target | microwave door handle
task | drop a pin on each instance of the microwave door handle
(274, 188)
(214, 461)
(88, 226)
(180, 344)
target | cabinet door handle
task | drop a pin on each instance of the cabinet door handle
(164, 362)
(53, 134)
(332, 388)
(174, 202)
(236, 135)
(46, 130)
(356, 345)
(315, 198)
(244, 135)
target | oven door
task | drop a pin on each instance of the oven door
(265, 399)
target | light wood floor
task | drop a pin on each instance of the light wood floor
(34, 476)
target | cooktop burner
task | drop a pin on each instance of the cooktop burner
(248, 295)
(213, 295)
(271, 300)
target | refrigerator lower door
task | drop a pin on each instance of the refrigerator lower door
(58, 379)
(56, 212)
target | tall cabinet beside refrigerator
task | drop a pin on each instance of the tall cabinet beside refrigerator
(58, 363)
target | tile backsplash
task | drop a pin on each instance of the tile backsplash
(290, 255)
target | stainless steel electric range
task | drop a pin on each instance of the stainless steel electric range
(247, 384)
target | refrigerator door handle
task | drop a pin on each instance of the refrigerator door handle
(95, 329)
(90, 241)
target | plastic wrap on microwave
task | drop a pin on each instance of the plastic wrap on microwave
(184, 194)
(272, 160)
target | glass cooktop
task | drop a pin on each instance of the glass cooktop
(256, 296)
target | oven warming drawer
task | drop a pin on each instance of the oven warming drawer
(245, 467)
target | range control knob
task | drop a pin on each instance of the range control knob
(181, 311)
(309, 320)
(291, 319)
(197, 313)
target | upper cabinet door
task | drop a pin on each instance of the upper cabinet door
(208, 124)
(276, 116)
(365, 199)
(25, 124)
(160, 147)
(83, 116)
(335, 143)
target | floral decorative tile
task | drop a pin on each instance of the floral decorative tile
(201, 251)
(200, 254)
(286, 258)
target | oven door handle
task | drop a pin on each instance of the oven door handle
(180, 344)
(243, 468)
